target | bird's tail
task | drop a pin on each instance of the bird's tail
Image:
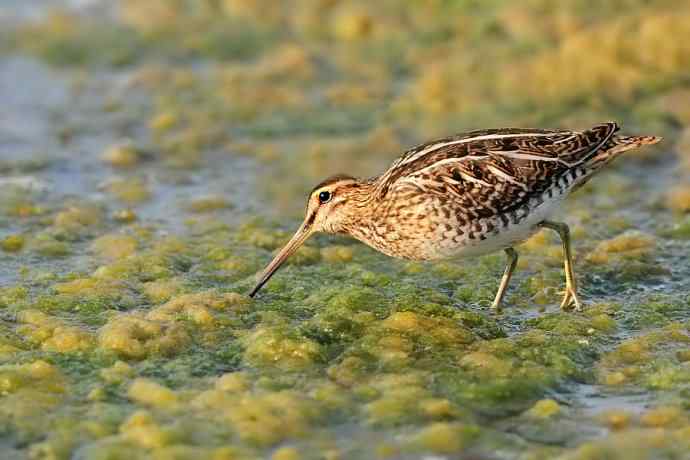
(619, 144)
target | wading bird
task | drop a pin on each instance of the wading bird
(466, 195)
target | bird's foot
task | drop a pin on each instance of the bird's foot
(570, 300)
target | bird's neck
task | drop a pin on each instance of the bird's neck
(362, 215)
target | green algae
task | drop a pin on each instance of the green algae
(679, 230)
(65, 40)
(357, 335)
(125, 331)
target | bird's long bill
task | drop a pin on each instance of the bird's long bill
(295, 242)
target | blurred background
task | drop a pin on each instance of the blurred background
(152, 149)
(304, 89)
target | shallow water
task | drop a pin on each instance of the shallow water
(142, 187)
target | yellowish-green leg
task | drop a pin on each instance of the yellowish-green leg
(570, 296)
(510, 268)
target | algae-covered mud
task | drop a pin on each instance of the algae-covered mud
(154, 154)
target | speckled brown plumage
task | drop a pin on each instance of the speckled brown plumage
(465, 195)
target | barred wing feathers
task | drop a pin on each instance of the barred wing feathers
(493, 171)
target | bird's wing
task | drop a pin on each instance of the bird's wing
(493, 171)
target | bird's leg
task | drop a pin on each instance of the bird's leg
(510, 268)
(570, 296)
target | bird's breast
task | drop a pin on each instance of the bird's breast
(436, 229)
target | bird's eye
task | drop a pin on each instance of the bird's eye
(324, 197)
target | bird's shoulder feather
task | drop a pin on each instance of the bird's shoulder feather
(494, 168)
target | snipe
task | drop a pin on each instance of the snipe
(465, 195)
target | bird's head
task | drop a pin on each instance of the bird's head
(329, 209)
